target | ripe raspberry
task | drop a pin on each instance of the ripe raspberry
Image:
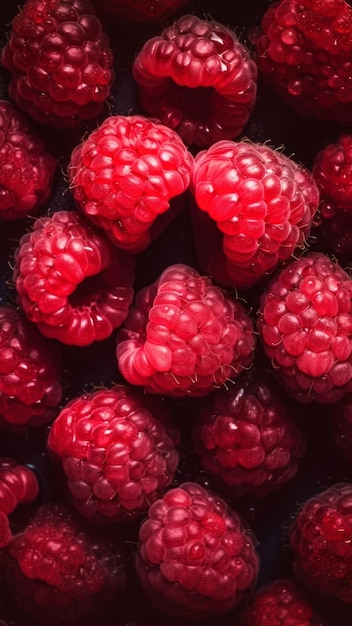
(125, 174)
(30, 371)
(26, 169)
(71, 281)
(18, 485)
(246, 437)
(280, 603)
(195, 558)
(60, 570)
(116, 456)
(197, 78)
(262, 202)
(305, 324)
(60, 62)
(304, 50)
(184, 336)
(140, 10)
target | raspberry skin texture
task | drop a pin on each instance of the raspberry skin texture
(26, 168)
(18, 485)
(30, 373)
(71, 281)
(125, 174)
(247, 438)
(195, 558)
(60, 62)
(197, 78)
(139, 10)
(303, 49)
(261, 201)
(305, 324)
(184, 336)
(116, 456)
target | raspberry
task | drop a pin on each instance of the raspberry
(71, 281)
(321, 540)
(60, 62)
(60, 570)
(195, 557)
(305, 325)
(304, 50)
(116, 456)
(125, 174)
(197, 78)
(30, 371)
(184, 336)
(280, 603)
(262, 202)
(247, 438)
(140, 10)
(18, 485)
(26, 169)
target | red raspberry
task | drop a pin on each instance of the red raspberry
(184, 336)
(60, 62)
(321, 539)
(305, 324)
(197, 78)
(60, 570)
(30, 371)
(71, 281)
(26, 169)
(280, 603)
(116, 456)
(125, 174)
(195, 558)
(18, 485)
(247, 438)
(140, 10)
(262, 202)
(304, 50)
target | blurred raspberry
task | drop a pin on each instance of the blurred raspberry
(18, 485)
(197, 78)
(196, 559)
(139, 10)
(124, 175)
(184, 336)
(60, 62)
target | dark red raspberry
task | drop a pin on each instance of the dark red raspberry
(305, 325)
(60, 570)
(197, 78)
(26, 169)
(71, 281)
(304, 50)
(196, 559)
(124, 175)
(139, 10)
(246, 437)
(116, 456)
(184, 336)
(18, 485)
(280, 603)
(30, 371)
(60, 62)
(321, 540)
(261, 201)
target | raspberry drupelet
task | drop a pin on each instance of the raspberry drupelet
(196, 559)
(184, 336)
(124, 175)
(197, 78)
(18, 486)
(71, 281)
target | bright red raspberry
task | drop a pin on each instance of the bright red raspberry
(60, 62)
(18, 485)
(197, 78)
(140, 10)
(280, 603)
(196, 559)
(184, 336)
(124, 175)
(26, 168)
(261, 201)
(305, 323)
(117, 457)
(71, 281)
(304, 50)
(30, 372)
(246, 437)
